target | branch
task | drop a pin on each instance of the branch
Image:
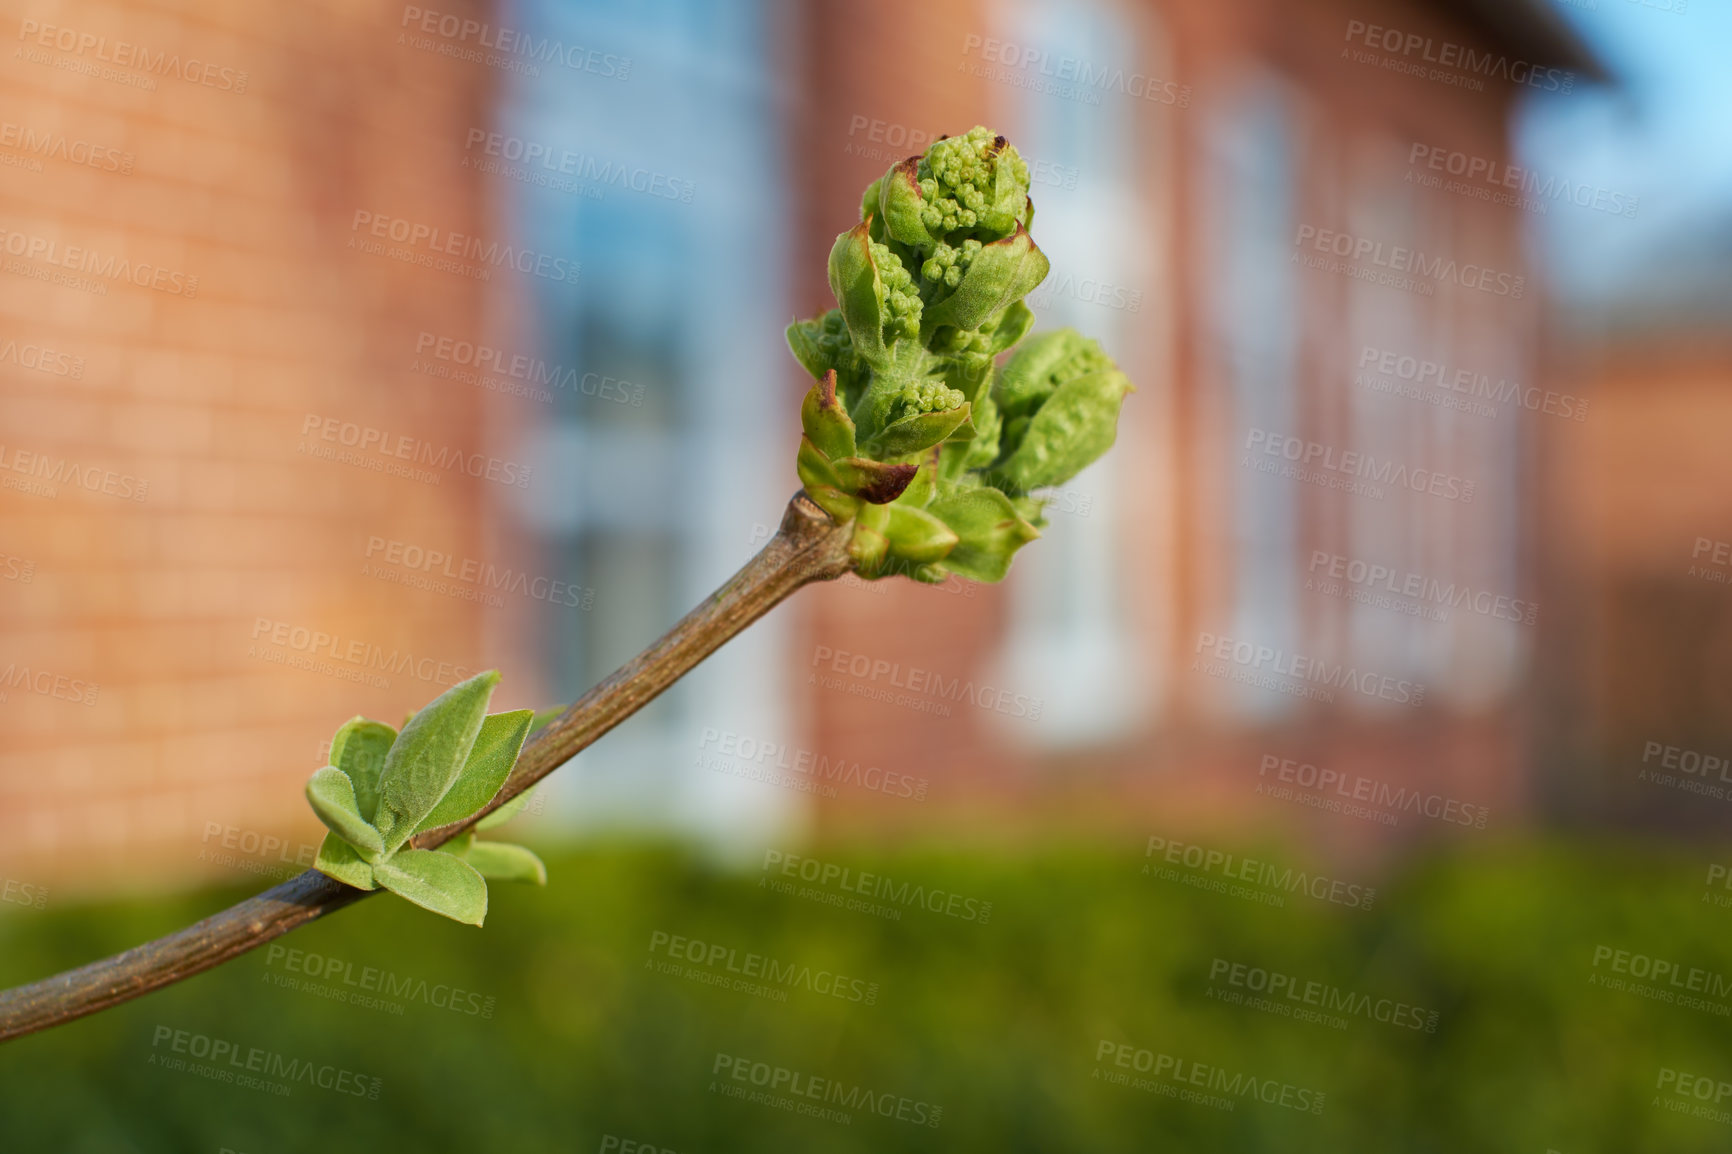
(808, 547)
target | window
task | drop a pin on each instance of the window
(650, 470)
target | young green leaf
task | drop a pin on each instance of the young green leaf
(989, 531)
(428, 755)
(332, 796)
(490, 761)
(359, 750)
(916, 535)
(338, 859)
(507, 811)
(1001, 274)
(544, 716)
(506, 862)
(436, 881)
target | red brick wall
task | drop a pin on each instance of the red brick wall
(250, 183)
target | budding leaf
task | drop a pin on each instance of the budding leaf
(488, 765)
(988, 530)
(506, 862)
(1060, 396)
(859, 291)
(428, 755)
(1000, 274)
(872, 481)
(1071, 430)
(358, 749)
(436, 881)
(332, 796)
(818, 478)
(1035, 371)
(916, 535)
(924, 485)
(338, 859)
(918, 432)
(870, 543)
(902, 206)
(824, 420)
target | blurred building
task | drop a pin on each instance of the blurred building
(1308, 563)
(1636, 681)
(348, 351)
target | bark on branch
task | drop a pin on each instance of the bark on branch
(808, 547)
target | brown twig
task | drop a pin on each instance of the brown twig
(808, 547)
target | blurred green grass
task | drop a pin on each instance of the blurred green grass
(997, 1023)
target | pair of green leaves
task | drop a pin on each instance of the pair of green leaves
(383, 787)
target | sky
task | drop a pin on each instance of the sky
(1662, 134)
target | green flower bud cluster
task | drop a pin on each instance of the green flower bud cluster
(948, 263)
(924, 397)
(913, 434)
(902, 302)
(959, 179)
